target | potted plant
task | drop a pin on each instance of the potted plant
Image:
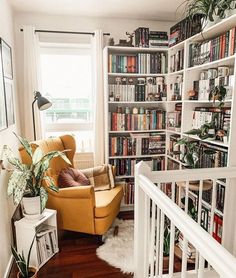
(218, 93)
(209, 9)
(25, 271)
(26, 181)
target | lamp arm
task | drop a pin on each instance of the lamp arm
(34, 117)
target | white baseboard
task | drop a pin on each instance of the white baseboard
(8, 269)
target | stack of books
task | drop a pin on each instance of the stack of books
(191, 251)
(220, 197)
(185, 29)
(158, 39)
(46, 240)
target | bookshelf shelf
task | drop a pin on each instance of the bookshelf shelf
(214, 142)
(123, 49)
(124, 177)
(172, 158)
(176, 72)
(206, 101)
(136, 74)
(136, 102)
(138, 131)
(136, 156)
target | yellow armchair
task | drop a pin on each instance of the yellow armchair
(79, 208)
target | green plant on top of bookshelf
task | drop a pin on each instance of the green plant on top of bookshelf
(209, 9)
(218, 93)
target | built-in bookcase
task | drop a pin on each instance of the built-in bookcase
(172, 103)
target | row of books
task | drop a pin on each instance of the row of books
(172, 165)
(46, 240)
(146, 38)
(128, 192)
(219, 118)
(176, 90)
(174, 149)
(144, 63)
(177, 61)
(137, 144)
(217, 159)
(125, 167)
(140, 92)
(212, 50)
(151, 119)
(185, 29)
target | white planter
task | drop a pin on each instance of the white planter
(31, 205)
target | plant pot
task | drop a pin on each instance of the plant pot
(32, 271)
(165, 263)
(31, 205)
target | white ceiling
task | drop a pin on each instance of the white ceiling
(136, 9)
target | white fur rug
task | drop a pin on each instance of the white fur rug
(118, 250)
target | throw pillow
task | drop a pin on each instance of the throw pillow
(71, 177)
(101, 177)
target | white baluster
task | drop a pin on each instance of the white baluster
(152, 241)
(161, 244)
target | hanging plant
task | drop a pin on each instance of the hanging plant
(218, 93)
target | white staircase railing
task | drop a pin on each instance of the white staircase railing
(154, 211)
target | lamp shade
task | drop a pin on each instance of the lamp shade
(43, 103)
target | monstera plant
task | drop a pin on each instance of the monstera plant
(27, 180)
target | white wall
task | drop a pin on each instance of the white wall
(117, 28)
(6, 137)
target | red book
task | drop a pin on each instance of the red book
(218, 225)
(114, 122)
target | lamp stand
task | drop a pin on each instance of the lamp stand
(34, 118)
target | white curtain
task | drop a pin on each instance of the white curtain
(99, 149)
(32, 83)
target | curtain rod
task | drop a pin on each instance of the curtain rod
(67, 32)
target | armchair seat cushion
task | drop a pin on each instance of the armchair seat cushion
(107, 201)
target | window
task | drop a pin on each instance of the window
(67, 82)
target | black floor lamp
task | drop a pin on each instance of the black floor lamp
(43, 104)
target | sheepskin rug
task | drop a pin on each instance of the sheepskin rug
(118, 250)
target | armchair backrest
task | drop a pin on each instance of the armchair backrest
(65, 142)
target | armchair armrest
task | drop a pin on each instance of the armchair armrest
(80, 192)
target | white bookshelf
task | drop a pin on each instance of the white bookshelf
(189, 75)
(27, 229)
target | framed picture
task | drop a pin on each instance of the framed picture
(9, 93)
(3, 115)
(6, 59)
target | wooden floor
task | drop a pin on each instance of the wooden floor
(77, 258)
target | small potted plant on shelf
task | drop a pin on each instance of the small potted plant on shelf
(25, 271)
(26, 181)
(218, 93)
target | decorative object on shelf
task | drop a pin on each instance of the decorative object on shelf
(43, 104)
(111, 41)
(25, 271)
(210, 10)
(218, 93)
(6, 59)
(131, 37)
(26, 182)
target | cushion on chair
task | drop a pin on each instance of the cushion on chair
(101, 177)
(107, 201)
(71, 177)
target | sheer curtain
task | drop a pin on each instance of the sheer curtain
(32, 83)
(99, 137)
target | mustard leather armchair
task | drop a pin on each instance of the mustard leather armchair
(79, 209)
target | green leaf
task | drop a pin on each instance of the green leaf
(37, 156)
(25, 144)
(43, 197)
(52, 185)
(193, 132)
(15, 162)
